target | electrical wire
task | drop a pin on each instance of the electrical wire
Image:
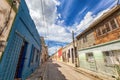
(44, 20)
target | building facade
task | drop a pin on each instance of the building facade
(85, 40)
(104, 55)
(69, 55)
(57, 56)
(7, 15)
(44, 51)
(22, 52)
(54, 56)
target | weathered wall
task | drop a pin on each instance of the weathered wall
(23, 29)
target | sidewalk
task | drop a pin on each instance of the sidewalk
(39, 73)
(91, 73)
(95, 74)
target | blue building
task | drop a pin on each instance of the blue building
(22, 53)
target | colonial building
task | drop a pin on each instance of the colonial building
(7, 15)
(44, 51)
(69, 55)
(58, 55)
(20, 54)
(85, 39)
(54, 56)
(107, 28)
(102, 53)
(60, 58)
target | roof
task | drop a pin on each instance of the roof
(105, 15)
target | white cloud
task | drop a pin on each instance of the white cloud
(49, 11)
(45, 25)
(88, 19)
(52, 50)
(57, 2)
(56, 33)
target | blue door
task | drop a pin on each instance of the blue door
(21, 60)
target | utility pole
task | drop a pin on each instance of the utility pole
(75, 58)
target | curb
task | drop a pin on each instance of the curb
(91, 73)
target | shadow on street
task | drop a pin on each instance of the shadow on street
(52, 72)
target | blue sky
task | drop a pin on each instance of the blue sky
(73, 11)
(61, 17)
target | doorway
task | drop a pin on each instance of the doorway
(72, 55)
(21, 60)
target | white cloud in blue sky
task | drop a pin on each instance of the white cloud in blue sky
(63, 16)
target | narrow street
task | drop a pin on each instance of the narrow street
(60, 71)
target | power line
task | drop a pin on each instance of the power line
(44, 19)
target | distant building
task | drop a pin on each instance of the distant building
(69, 54)
(57, 55)
(20, 42)
(44, 51)
(60, 58)
(98, 45)
(54, 56)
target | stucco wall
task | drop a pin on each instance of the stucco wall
(90, 40)
(22, 29)
(99, 64)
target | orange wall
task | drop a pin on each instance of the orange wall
(110, 36)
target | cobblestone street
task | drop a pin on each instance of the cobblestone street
(53, 70)
(59, 71)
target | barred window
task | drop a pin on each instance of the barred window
(84, 39)
(89, 57)
(113, 24)
(103, 30)
(98, 31)
(107, 27)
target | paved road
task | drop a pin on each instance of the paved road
(59, 71)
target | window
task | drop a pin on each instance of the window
(118, 20)
(31, 56)
(89, 57)
(37, 55)
(103, 30)
(84, 39)
(69, 53)
(32, 59)
(113, 24)
(108, 58)
(107, 26)
(98, 31)
(75, 52)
